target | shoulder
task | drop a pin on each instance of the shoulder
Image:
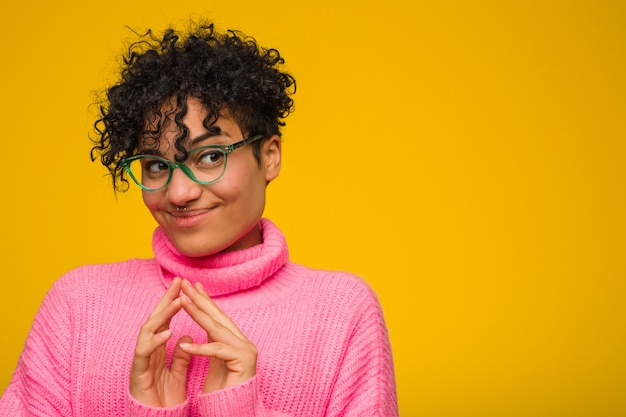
(338, 306)
(97, 290)
(107, 270)
(336, 288)
(326, 278)
(88, 279)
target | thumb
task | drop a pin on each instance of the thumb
(181, 359)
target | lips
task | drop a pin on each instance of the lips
(189, 218)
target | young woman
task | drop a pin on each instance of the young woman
(219, 322)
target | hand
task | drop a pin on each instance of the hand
(233, 356)
(151, 381)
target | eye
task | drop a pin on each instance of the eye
(210, 158)
(155, 167)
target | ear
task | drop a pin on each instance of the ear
(271, 153)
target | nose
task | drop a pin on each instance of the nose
(182, 190)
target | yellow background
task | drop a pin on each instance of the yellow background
(466, 158)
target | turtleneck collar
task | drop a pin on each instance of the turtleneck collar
(225, 272)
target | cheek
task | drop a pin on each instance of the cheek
(150, 199)
(230, 191)
(243, 193)
(245, 183)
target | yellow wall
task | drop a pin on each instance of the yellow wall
(466, 158)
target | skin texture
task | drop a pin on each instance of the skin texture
(222, 216)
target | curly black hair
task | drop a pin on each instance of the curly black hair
(227, 72)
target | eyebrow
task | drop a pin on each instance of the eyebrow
(202, 137)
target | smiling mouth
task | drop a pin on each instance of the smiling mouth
(188, 213)
(189, 218)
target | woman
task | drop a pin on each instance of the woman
(220, 322)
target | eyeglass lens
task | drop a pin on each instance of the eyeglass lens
(205, 164)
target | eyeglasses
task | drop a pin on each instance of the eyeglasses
(204, 165)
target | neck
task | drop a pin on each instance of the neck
(252, 238)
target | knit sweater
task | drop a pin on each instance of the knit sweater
(322, 342)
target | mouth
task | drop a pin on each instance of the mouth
(188, 218)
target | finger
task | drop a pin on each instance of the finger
(170, 295)
(153, 331)
(218, 315)
(159, 321)
(227, 366)
(222, 351)
(181, 359)
(200, 288)
(145, 348)
(203, 301)
(215, 330)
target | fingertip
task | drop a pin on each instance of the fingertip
(175, 283)
(200, 287)
(185, 342)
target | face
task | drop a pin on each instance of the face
(221, 216)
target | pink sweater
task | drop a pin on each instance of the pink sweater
(322, 342)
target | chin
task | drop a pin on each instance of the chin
(196, 245)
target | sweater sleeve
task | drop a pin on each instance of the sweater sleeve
(136, 409)
(40, 385)
(365, 384)
(239, 401)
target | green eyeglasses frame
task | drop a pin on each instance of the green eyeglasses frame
(225, 149)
